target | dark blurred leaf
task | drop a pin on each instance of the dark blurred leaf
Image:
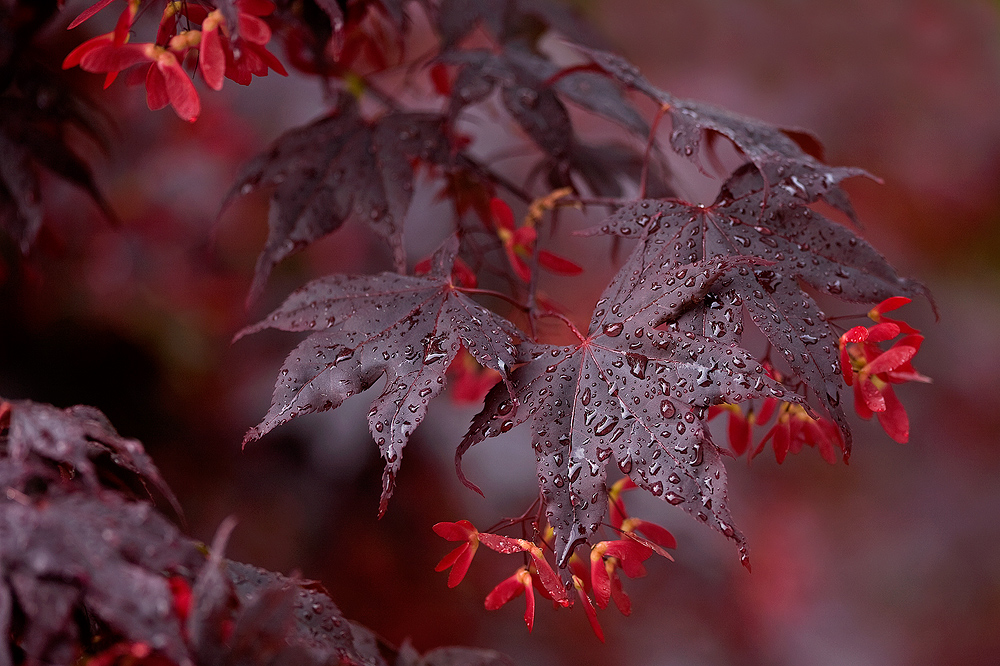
(99, 552)
(78, 437)
(36, 108)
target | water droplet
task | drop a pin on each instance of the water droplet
(607, 424)
(667, 409)
(613, 330)
(673, 498)
(637, 365)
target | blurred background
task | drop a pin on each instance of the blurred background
(889, 561)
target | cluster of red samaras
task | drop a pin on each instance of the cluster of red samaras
(219, 50)
(596, 582)
(868, 368)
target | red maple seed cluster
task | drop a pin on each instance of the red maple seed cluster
(865, 366)
(218, 50)
(872, 370)
(596, 582)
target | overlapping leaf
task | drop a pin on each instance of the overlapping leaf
(85, 567)
(77, 437)
(632, 392)
(68, 542)
(337, 166)
(509, 21)
(95, 551)
(523, 78)
(295, 620)
(406, 328)
(796, 242)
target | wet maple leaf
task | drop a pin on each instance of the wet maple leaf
(338, 166)
(781, 155)
(795, 243)
(630, 391)
(404, 327)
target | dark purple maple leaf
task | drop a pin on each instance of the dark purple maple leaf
(509, 21)
(69, 542)
(87, 568)
(404, 327)
(36, 109)
(98, 552)
(526, 92)
(632, 392)
(777, 153)
(338, 166)
(795, 242)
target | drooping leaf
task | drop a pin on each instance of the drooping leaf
(590, 90)
(534, 107)
(457, 18)
(631, 392)
(77, 437)
(33, 121)
(532, 91)
(777, 153)
(406, 328)
(338, 166)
